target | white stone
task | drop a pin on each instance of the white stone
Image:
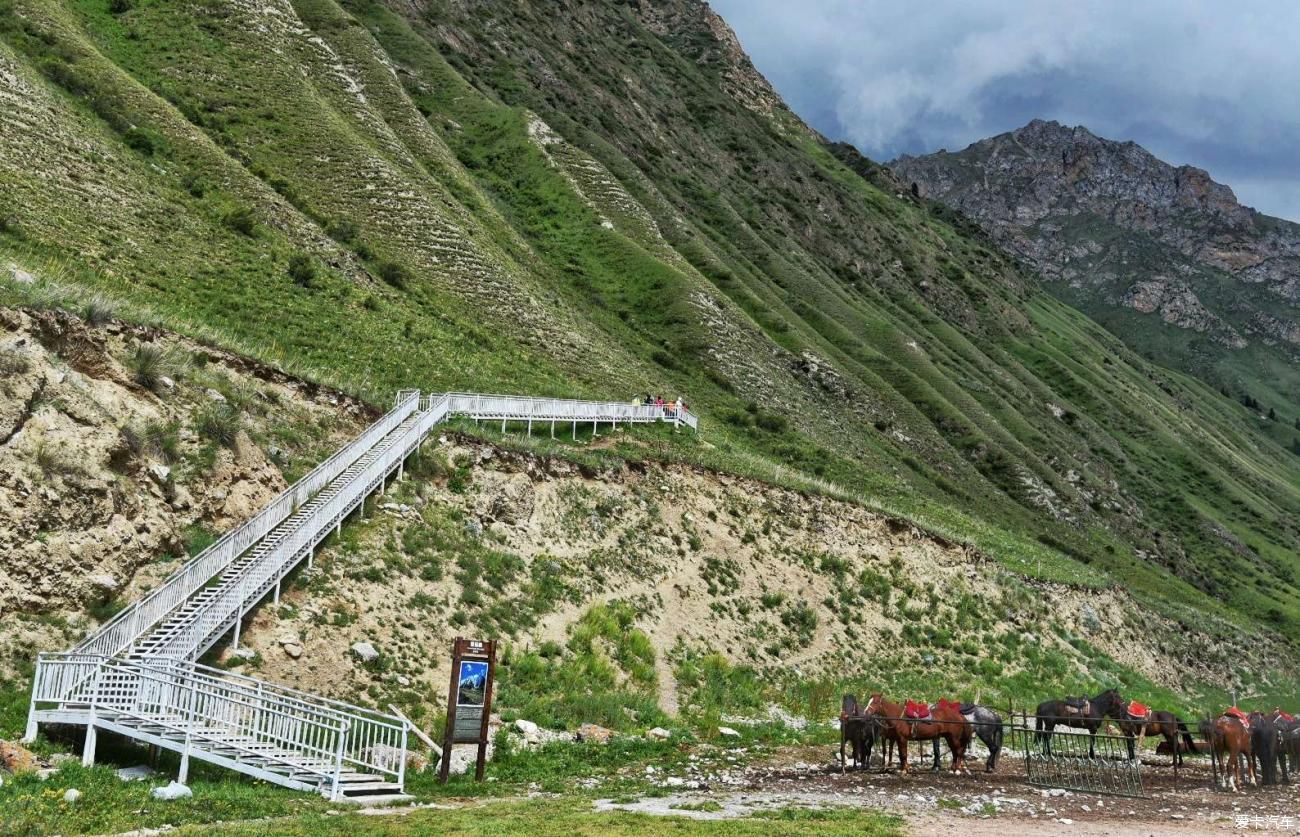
(161, 473)
(527, 728)
(728, 732)
(174, 790)
(136, 774)
(365, 652)
(213, 395)
(293, 649)
(167, 382)
(658, 733)
(71, 795)
(104, 581)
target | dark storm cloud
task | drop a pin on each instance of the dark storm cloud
(1213, 84)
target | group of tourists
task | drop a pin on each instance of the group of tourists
(670, 408)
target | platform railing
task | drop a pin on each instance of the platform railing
(210, 707)
(524, 408)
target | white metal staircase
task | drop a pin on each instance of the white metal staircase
(137, 674)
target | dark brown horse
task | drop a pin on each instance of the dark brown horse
(945, 722)
(1078, 713)
(1166, 724)
(1229, 741)
(1266, 744)
(858, 730)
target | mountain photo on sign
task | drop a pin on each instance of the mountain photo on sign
(473, 683)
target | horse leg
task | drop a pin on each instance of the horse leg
(843, 737)
(902, 754)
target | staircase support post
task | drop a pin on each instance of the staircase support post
(88, 749)
(338, 760)
(401, 470)
(503, 426)
(276, 600)
(552, 428)
(575, 430)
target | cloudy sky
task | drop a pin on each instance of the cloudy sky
(1213, 84)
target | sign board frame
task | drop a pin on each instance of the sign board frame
(469, 695)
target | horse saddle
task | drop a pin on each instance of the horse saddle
(1237, 715)
(967, 708)
(1285, 716)
(1138, 711)
(1077, 706)
(916, 710)
(945, 704)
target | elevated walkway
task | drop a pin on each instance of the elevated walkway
(137, 675)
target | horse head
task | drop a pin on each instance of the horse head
(875, 704)
(1110, 704)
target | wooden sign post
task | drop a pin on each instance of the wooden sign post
(469, 701)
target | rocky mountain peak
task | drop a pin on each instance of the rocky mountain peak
(1113, 223)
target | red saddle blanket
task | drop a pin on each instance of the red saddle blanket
(1234, 712)
(915, 710)
(1285, 716)
(954, 705)
(1138, 710)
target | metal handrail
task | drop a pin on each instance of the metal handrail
(565, 409)
(253, 581)
(376, 741)
(127, 626)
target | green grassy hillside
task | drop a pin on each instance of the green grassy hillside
(606, 201)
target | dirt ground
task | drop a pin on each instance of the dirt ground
(1001, 803)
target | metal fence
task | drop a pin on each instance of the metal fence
(1072, 759)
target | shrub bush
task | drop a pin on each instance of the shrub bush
(393, 274)
(219, 423)
(240, 220)
(150, 364)
(302, 270)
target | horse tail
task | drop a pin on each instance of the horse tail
(1187, 736)
(995, 739)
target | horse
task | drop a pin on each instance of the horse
(1288, 729)
(1162, 723)
(1267, 748)
(856, 729)
(986, 724)
(945, 722)
(1080, 714)
(1228, 736)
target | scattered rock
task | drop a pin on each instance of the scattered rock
(243, 653)
(213, 395)
(728, 732)
(161, 473)
(166, 382)
(15, 758)
(104, 582)
(595, 734)
(174, 790)
(365, 652)
(71, 795)
(528, 729)
(21, 276)
(293, 649)
(136, 774)
(658, 734)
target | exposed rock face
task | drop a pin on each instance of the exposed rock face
(1113, 222)
(98, 503)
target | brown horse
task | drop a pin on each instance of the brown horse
(1228, 736)
(1166, 724)
(945, 722)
